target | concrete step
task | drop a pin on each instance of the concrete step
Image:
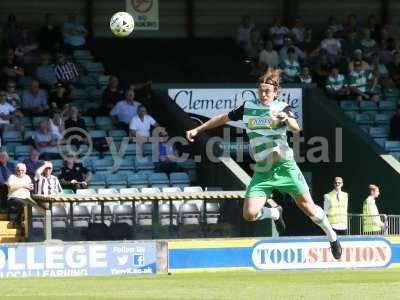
(3, 217)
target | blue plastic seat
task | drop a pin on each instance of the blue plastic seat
(383, 118)
(12, 136)
(143, 164)
(387, 105)
(179, 179)
(363, 119)
(349, 105)
(137, 180)
(104, 164)
(117, 135)
(379, 132)
(159, 179)
(368, 105)
(117, 180)
(97, 133)
(392, 146)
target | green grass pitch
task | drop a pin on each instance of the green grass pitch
(324, 285)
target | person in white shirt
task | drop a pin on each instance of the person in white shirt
(268, 56)
(243, 33)
(56, 123)
(123, 112)
(19, 188)
(6, 111)
(277, 32)
(335, 207)
(331, 45)
(140, 126)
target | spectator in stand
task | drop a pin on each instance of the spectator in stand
(298, 31)
(74, 121)
(13, 96)
(26, 45)
(335, 26)
(351, 44)
(394, 69)
(74, 32)
(336, 85)
(277, 32)
(336, 205)
(6, 112)
(373, 26)
(19, 190)
(321, 67)
(308, 45)
(368, 44)
(111, 94)
(123, 112)
(290, 67)
(141, 124)
(396, 46)
(33, 163)
(59, 97)
(362, 83)
(45, 182)
(6, 169)
(66, 71)
(73, 175)
(46, 142)
(12, 69)
(50, 37)
(56, 123)
(268, 57)
(45, 71)
(394, 133)
(381, 72)
(332, 45)
(10, 31)
(167, 155)
(352, 24)
(255, 45)
(243, 33)
(305, 76)
(372, 222)
(288, 43)
(358, 56)
(34, 99)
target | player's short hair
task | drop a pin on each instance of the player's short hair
(271, 76)
(338, 178)
(372, 188)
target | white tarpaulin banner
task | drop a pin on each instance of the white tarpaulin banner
(211, 102)
(145, 13)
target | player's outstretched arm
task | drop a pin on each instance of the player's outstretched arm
(212, 123)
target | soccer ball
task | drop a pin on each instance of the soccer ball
(122, 24)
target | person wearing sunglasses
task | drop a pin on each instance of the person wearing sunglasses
(267, 120)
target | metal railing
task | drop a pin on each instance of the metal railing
(360, 224)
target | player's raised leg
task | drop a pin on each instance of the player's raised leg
(317, 215)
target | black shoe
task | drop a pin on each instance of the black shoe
(336, 249)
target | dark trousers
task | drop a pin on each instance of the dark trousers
(50, 156)
(16, 205)
(166, 167)
(340, 232)
(3, 195)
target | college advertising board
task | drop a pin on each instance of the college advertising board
(77, 259)
(209, 102)
(282, 254)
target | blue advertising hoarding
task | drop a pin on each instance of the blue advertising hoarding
(77, 259)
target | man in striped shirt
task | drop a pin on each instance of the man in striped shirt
(290, 67)
(267, 120)
(66, 71)
(362, 84)
(45, 182)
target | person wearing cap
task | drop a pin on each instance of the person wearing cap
(362, 83)
(59, 96)
(74, 175)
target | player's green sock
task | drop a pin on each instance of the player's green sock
(267, 213)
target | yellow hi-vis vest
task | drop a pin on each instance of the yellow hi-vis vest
(371, 219)
(337, 211)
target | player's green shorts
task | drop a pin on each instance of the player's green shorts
(284, 176)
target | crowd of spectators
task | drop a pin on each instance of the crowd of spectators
(355, 59)
(45, 56)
